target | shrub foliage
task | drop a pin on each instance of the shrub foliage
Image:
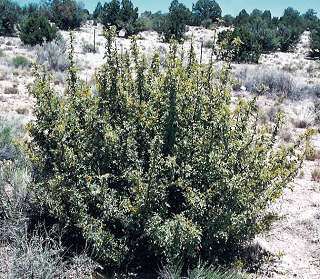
(157, 162)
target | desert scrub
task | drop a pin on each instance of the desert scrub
(20, 62)
(157, 162)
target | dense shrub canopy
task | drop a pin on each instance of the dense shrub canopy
(206, 12)
(157, 165)
(9, 15)
(36, 29)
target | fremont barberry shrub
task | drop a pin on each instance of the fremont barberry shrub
(158, 164)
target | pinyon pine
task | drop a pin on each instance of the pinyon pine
(157, 165)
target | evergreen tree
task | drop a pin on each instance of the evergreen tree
(98, 11)
(206, 12)
(9, 15)
(174, 25)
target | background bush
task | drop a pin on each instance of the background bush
(36, 29)
(9, 16)
(157, 165)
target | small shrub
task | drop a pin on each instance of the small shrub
(311, 153)
(315, 175)
(20, 62)
(53, 55)
(11, 90)
(88, 47)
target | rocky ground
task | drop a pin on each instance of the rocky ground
(294, 240)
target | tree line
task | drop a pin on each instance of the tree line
(258, 31)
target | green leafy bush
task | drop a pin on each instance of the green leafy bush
(20, 61)
(157, 165)
(9, 16)
(36, 29)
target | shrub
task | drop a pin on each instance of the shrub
(53, 55)
(156, 163)
(27, 253)
(311, 153)
(36, 29)
(9, 15)
(20, 61)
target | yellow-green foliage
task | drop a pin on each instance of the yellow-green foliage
(157, 164)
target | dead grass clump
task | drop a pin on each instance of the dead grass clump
(286, 135)
(22, 110)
